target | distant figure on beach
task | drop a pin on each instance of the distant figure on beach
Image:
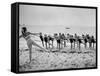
(75, 39)
(46, 40)
(68, 37)
(89, 41)
(42, 39)
(71, 40)
(50, 39)
(56, 37)
(79, 42)
(92, 40)
(64, 39)
(59, 41)
(30, 42)
(85, 41)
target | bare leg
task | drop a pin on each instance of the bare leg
(43, 43)
(64, 43)
(74, 44)
(52, 44)
(59, 46)
(35, 44)
(49, 44)
(93, 45)
(46, 44)
(90, 45)
(30, 52)
(85, 45)
(79, 45)
(71, 45)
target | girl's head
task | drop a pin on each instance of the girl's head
(59, 34)
(40, 33)
(92, 36)
(24, 30)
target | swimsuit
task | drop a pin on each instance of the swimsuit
(85, 40)
(50, 38)
(28, 39)
(79, 40)
(41, 37)
(45, 39)
(59, 41)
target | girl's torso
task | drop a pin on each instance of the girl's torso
(41, 37)
(26, 35)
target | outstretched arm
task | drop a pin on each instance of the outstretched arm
(37, 34)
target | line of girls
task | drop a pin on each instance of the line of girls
(61, 40)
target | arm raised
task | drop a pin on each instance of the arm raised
(37, 34)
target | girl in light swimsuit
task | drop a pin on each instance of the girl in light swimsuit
(50, 38)
(30, 42)
(93, 40)
(56, 37)
(64, 39)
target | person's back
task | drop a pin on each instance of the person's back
(90, 41)
(92, 38)
(41, 36)
(85, 40)
(46, 40)
(42, 39)
(71, 39)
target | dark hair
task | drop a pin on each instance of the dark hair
(40, 33)
(24, 29)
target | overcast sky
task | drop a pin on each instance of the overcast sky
(47, 16)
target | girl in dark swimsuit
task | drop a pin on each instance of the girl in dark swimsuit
(46, 40)
(92, 40)
(64, 39)
(59, 41)
(85, 40)
(30, 42)
(42, 39)
(71, 40)
(68, 37)
(75, 40)
(79, 41)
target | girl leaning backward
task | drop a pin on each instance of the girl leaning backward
(30, 42)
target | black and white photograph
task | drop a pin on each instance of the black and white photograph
(53, 37)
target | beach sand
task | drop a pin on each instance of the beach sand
(65, 58)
